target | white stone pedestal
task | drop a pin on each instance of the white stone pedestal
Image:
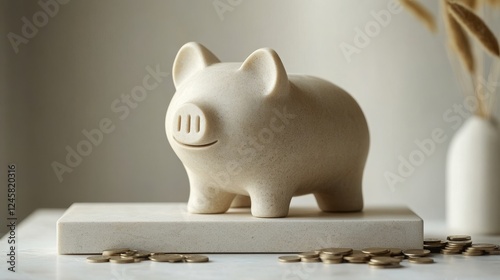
(89, 228)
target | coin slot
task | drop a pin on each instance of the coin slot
(179, 119)
(197, 124)
(189, 124)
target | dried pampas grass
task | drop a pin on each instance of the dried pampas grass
(461, 21)
(421, 13)
(475, 25)
(460, 43)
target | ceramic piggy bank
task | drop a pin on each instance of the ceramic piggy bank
(250, 130)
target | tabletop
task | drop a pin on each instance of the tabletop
(37, 258)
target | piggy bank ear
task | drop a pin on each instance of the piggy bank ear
(191, 58)
(267, 66)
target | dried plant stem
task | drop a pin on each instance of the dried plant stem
(421, 13)
(493, 83)
(459, 41)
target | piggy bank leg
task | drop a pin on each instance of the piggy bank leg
(270, 204)
(345, 196)
(206, 198)
(241, 201)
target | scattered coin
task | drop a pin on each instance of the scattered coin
(395, 251)
(324, 256)
(196, 259)
(114, 252)
(422, 260)
(374, 251)
(310, 254)
(432, 241)
(385, 265)
(357, 258)
(384, 260)
(473, 253)
(167, 258)
(459, 237)
(484, 246)
(119, 259)
(416, 252)
(450, 252)
(142, 254)
(98, 259)
(333, 261)
(289, 259)
(337, 251)
(310, 259)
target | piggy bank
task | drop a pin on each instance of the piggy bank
(250, 133)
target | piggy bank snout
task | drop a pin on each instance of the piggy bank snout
(189, 125)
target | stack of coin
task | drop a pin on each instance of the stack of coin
(334, 255)
(357, 258)
(457, 244)
(434, 245)
(125, 255)
(311, 256)
(479, 249)
(377, 252)
(421, 260)
(384, 262)
(416, 253)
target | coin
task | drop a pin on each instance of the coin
(459, 237)
(450, 252)
(432, 241)
(484, 246)
(459, 242)
(309, 259)
(493, 252)
(98, 259)
(113, 252)
(395, 251)
(374, 251)
(289, 259)
(416, 252)
(337, 251)
(473, 253)
(119, 259)
(310, 254)
(128, 253)
(379, 265)
(142, 254)
(422, 260)
(333, 261)
(167, 258)
(324, 256)
(384, 260)
(357, 258)
(196, 259)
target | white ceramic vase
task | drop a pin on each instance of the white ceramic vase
(473, 178)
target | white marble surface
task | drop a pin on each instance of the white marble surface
(168, 227)
(38, 259)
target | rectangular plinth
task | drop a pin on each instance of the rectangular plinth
(90, 228)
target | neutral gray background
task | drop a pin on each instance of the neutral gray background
(89, 54)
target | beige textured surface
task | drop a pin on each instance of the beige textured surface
(251, 129)
(93, 227)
